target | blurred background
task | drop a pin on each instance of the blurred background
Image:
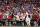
(13, 12)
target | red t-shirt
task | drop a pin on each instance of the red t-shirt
(1, 16)
(22, 11)
(36, 5)
(9, 18)
(35, 16)
(26, 15)
(37, 21)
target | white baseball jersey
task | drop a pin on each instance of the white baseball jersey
(17, 17)
(28, 21)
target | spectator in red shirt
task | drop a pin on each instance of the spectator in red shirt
(9, 18)
(1, 16)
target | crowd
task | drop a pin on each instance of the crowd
(18, 10)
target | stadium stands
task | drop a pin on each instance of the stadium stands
(14, 12)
